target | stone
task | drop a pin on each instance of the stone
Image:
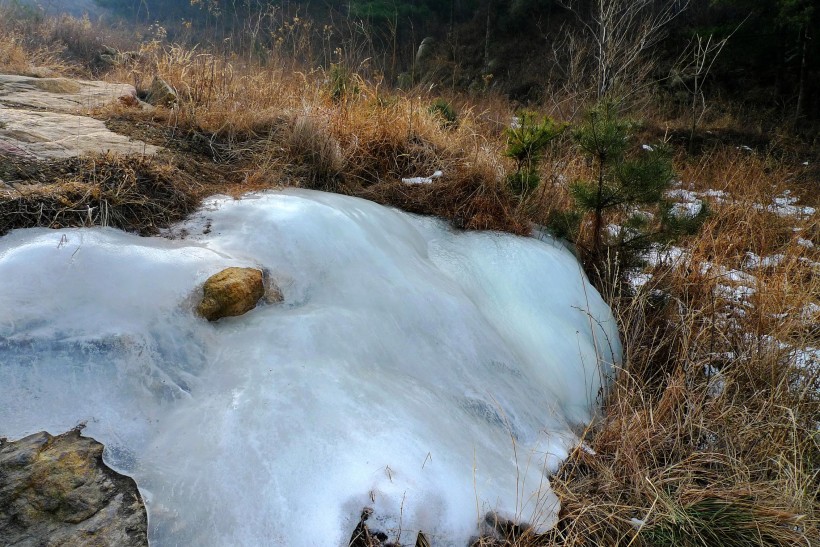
(161, 93)
(59, 94)
(40, 118)
(425, 50)
(40, 135)
(231, 292)
(58, 491)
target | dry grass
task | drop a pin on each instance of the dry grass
(709, 434)
(19, 56)
(134, 193)
(31, 44)
(362, 142)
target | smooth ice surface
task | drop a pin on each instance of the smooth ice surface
(429, 374)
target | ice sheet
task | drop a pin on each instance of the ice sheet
(429, 374)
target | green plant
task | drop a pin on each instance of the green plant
(343, 82)
(630, 185)
(527, 140)
(442, 109)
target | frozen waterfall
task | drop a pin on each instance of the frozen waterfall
(430, 374)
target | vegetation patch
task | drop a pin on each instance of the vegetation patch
(132, 193)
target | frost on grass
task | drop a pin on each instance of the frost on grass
(428, 374)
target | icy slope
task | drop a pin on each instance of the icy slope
(429, 374)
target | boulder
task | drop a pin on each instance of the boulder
(59, 94)
(40, 118)
(425, 50)
(231, 292)
(161, 93)
(58, 491)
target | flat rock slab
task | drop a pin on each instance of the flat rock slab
(38, 134)
(58, 491)
(59, 94)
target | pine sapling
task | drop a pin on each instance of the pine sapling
(527, 140)
(629, 182)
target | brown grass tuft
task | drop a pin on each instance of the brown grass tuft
(132, 193)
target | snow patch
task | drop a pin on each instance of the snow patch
(687, 209)
(785, 205)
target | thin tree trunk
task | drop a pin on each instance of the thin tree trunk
(599, 211)
(801, 86)
(487, 36)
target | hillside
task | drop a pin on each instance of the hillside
(706, 249)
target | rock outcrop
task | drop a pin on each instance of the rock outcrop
(115, 57)
(58, 491)
(42, 135)
(231, 292)
(39, 118)
(59, 94)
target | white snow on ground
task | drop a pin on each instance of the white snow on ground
(719, 195)
(741, 285)
(661, 255)
(810, 311)
(735, 288)
(614, 230)
(727, 274)
(429, 374)
(785, 205)
(689, 203)
(807, 358)
(687, 210)
(639, 279)
(755, 261)
(683, 195)
(422, 180)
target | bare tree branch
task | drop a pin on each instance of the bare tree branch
(621, 32)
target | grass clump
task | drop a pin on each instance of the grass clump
(130, 192)
(343, 83)
(713, 521)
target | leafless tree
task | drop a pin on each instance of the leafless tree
(568, 72)
(691, 71)
(621, 33)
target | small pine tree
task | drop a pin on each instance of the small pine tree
(526, 142)
(631, 184)
(445, 112)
